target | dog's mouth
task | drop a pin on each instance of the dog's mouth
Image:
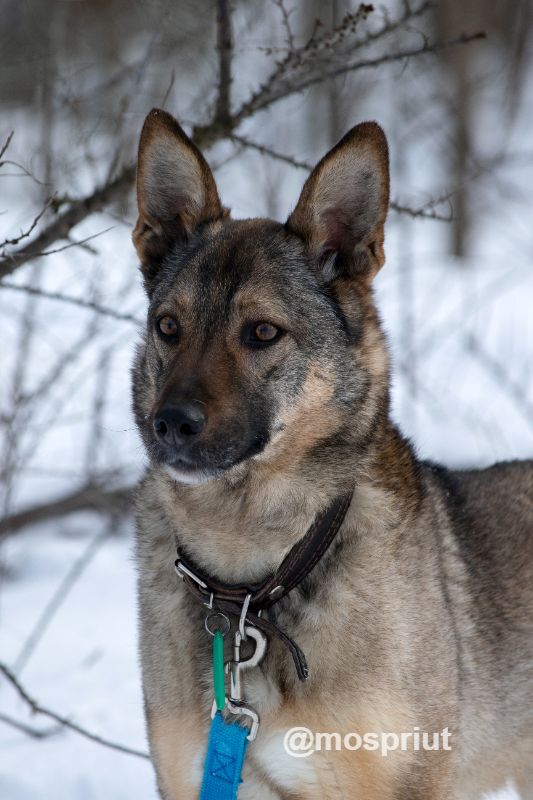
(200, 467)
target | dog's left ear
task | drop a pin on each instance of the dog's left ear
(176, 191)
(343, 205)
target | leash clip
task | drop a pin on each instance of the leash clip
(236, 667)
(241, 710)
(234, 703)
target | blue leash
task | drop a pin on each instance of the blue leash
(226, 751)
(228, 741)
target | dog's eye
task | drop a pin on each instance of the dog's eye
(260, 334)
(265, 332)
(168, 327)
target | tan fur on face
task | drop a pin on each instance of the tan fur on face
(311, 418)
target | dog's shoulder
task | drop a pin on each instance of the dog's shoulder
(490, 512)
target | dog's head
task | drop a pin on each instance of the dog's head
(262, 339)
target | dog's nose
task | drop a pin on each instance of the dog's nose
(179, 424)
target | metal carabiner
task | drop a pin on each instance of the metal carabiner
(236, 667)
(234, 703)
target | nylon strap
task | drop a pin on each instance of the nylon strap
(226, 750)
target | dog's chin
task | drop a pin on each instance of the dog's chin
(191, 477)
(195, 475)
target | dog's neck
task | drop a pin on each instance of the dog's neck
(239, 527)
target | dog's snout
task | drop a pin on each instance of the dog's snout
(179, 424)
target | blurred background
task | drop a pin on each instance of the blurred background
(265, 88)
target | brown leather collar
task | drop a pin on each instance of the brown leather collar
(259, 597)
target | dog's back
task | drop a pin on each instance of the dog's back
(487, 558)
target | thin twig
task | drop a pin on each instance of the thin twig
(283, 86)
(35, 733)
(24, 172)
(60, 227)
(500, 375)
(268, 151)
(169, 88)
(6, 145)
(37, 708)
(62, 591)
(12, 441)
(75, 301)
(28, 231)
(286, 23)
(90, 497)
(224, 47)
(78, 243)
(427, 211)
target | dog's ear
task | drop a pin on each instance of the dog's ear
(343, 205)
(176, 190)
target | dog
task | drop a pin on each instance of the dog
(261, 393)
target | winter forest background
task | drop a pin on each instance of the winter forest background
(265, 88)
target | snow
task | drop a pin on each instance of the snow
(85, 667)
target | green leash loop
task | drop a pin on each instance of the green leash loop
(218, 625)
(218, 670)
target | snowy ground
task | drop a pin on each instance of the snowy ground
(85, 667)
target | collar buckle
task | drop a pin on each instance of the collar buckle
(182, 571)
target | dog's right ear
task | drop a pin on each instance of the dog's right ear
(176, 191)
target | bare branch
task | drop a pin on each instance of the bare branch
(35, 733)
(91, 497)
(51, 608)
(426, 211)
(501, 376)
(268, 151)
(6, 145)
(75, 301)
(61, 226)
(29, 231)
(24, 172)
(63, 721)
(79, 243)
(299, 70)
(286, 23)
(224, 47)
(281, 84)
(169, 88)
